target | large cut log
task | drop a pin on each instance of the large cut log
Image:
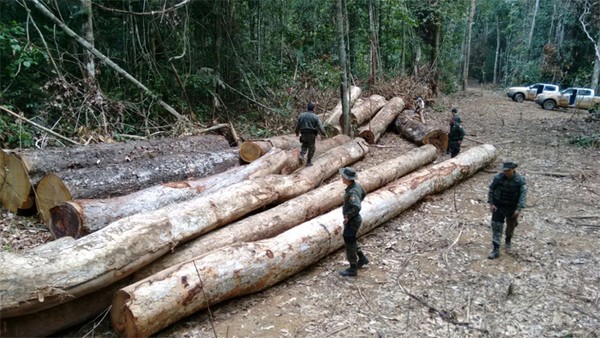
(42, 161)
(253, 149)
(419, 133)
(149, 305)
(120, 179)
(363, 112)
(31, 283)
(81, 217)
(16, 194)
(382, 120)
(278, 219)
(321, 147)
(332, 124)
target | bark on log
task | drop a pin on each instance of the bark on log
(147, 306)
(363, 112)
(41, 162)
(120, 179)
(31, 283)
(321, 147)
(420, 133)
(382, 120)
(81, 217)
(254, 149)
(332, 124)
(278, 219)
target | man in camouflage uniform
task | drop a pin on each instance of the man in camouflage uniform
(455, 136)
(353, 196)
(507, 196)
(308, 126)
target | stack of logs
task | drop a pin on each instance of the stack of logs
(163, 252)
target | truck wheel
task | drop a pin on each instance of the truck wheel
(519, 97)
(549, 104)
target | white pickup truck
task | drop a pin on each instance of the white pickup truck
(519, 94)
(582, 98)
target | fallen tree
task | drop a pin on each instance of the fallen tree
(363, 112)
(332, 124)
(114, 252)
(16, 194)
(419, 133)
(278, 219)
(382, 120)
(149, 305)
(253, 149)
(81, 217)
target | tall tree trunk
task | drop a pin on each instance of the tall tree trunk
(596, 74)
(496, 57)
(88, 33)
(147, 306)
(333, 124)
(468, 46)
(106, 256)
(343, 69)
(373, 43)
(530, 38)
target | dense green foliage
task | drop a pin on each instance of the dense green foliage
(261, 60)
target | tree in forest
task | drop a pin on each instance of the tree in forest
(590, 12)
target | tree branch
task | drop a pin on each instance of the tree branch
(37, 125)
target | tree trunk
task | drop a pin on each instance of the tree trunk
(363, 112)
(16, 194)
(379, 124)
(43, 161)
(468, 46)
(121, 179)
(81, 217)
(276, 220)
(332, 124)
(530, 39)
(419, 133)
(147, 306)
(496, 58)
(105, 256)
(254, 149)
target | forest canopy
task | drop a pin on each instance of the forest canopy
(100, 69)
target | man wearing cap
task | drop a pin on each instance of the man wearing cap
(308, 126)
(353, 196)
(455, 136)
(507, 196)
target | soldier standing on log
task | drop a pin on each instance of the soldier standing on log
(353, 196)
(308, 126)
(507, 197)
(455, 136)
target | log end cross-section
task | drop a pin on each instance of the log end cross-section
(16, 191)
(250, 151)
(65, 220)
(49, 192)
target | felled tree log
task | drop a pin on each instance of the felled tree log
(419, 133)
(40, 162)
(332, 124)
(280, 218)
(81, 217)
(254, 149)
(382, 120)
(321, 147)
(120, 179)
(363, 112)
(16, 194)
(149, 305)
(116, 251)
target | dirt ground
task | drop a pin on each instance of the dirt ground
(429, 274)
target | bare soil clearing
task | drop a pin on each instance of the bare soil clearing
(429, 274)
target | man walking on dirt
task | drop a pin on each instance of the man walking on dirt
(455, 136)
(507, 197)
(308, 126)
(353, 196)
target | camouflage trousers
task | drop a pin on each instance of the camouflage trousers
(498, 218)
(353, 249)
(308, 141)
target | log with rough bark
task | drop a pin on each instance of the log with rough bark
(254, 149)
(120, 179)
(419, 133)
(363, 112)
(321, 147)
(382, 120)
(149, 305)
(332, 124)
(42, 161)
(78, 218)
(116, 251)
(280, 218)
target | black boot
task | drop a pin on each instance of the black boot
(362, 260)
(507, 243)
(496, 252)
(351, 271)
(309, 163)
